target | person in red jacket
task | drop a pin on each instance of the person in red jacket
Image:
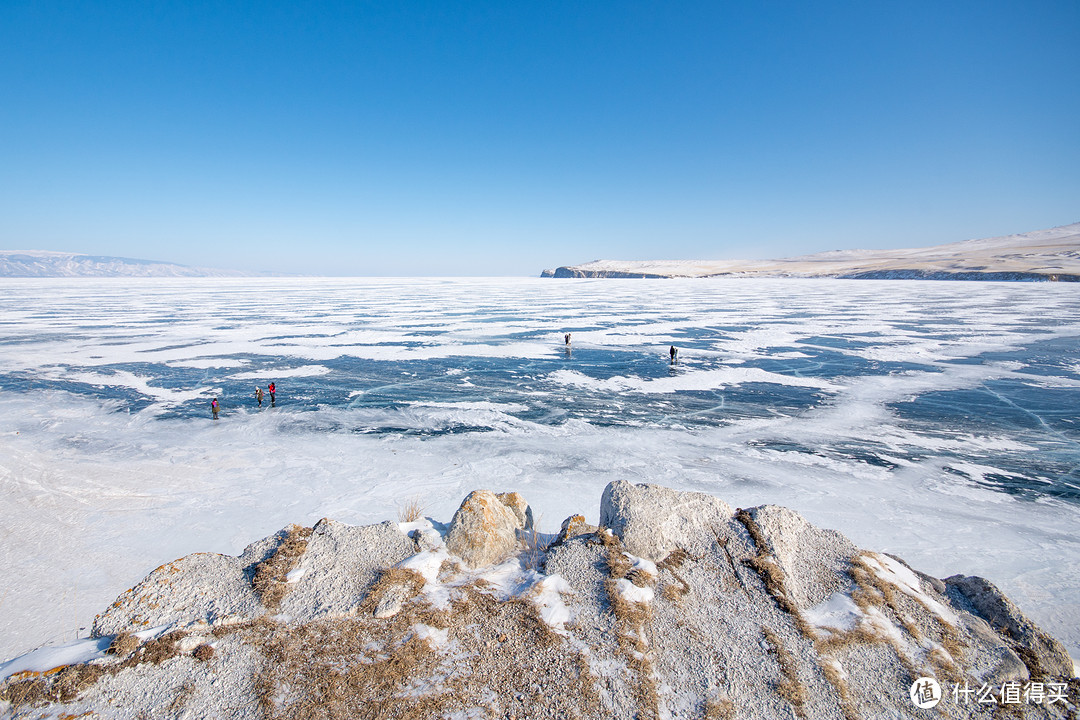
(273, 389)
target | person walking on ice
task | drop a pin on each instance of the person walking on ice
(258, 395)
(214, 407)
(273, 389)
(567, 338)
(674, 355)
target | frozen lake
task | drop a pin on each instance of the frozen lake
(935, 420)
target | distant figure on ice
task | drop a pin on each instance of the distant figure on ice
(567, 338)
(214, 407)
(258, 395)
(273, 389)
(674, 355)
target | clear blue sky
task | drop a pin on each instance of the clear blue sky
(443, 138)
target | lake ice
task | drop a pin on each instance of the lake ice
(934, 420)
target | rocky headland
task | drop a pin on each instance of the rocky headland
(1042, 255)
(675, 606)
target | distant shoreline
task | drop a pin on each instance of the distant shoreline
(1051, 255)
(901, 274)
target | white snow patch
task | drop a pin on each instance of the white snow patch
(547, 595)
(275, 373)
(434, 637)
(56, 656)
(838, 612)
(903, 578)
(642, 565)
(632, 593)
(295, 575)
(879, 624)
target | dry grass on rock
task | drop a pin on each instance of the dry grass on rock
(269, 581)
(768, 569)
(790, 687)
(411, 509)
(67, 683)
(362, 667)
(632, 621)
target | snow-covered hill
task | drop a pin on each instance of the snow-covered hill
(1040, 255)
(42, 263)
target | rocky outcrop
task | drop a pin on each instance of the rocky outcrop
(484, 528)
(653, 520)
(675, 606)
(1043, 255)
(1040, 653)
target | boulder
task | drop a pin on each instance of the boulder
(339, 566)
(519, 507)
(484, 529)
(572, 527)
(653, 520)
(203, 588)
(1040, 652)
(814, 560)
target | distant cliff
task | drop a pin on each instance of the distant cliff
(677, 605)
(1042, 255)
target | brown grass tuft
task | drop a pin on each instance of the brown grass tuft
(411, 509)
(394, 579)
(67, 683)
(63, 685)
(675, 560)
(768, 569)
(203, 652)
(836, 679)
(123, 644)
(269, 581)
(363, 667)
(631, 620)
(718, 708)
(156, 651)
(790, 687)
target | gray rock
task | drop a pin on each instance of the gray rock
(653, 520)
(814, 560)
(714, 635)
(996, 662)
(1013, 625)
(391, 602)
(200, 588)
(572, 527)
(484, 529)
(519, 507)
(340, 565)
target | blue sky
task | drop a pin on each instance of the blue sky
(483, 138)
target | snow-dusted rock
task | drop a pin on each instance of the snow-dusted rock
(204, 588)
(752, 614)
(519, 507)
(484, 527)
(1052, 254)
(813, 559)
(572, 527)
(653, 520)
(999, 612)
(340, 564)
